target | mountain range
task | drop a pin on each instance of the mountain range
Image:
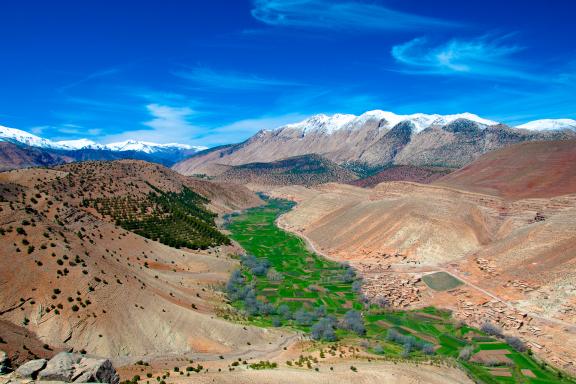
(377, 139)
(21, 149)
(364, 144)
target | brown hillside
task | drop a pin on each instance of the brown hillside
(536, 169)
(77, 281)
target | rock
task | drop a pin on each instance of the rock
(74, 367)
(4, 363)
(30, 369)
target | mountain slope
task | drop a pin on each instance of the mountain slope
(527, 170)
(372, 140)
(420, 175)
(76, 280)
(20, 156)
(298, 170)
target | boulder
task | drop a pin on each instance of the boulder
(4, 363)
(74, 367)
(30, 369)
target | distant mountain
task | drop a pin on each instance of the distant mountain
(550, 125)
(372, 141)
(22, 156)
(298, 170)
(44, 152)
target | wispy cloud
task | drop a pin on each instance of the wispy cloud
(230, 80)
(92, 76)
(343, 15)
(485, 56)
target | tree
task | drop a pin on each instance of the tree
(353, 321)
(324, 329)
(466, 353)
(284, 312)
(303, 317)
(491, 329)
(516, 343)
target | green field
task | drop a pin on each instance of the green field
(441, 281)
(281, 283)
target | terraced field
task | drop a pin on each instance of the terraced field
(281, 283)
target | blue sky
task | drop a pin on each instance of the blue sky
(215, 72)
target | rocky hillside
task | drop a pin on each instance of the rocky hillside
(298, 170)
(75, 280)
(371, 141)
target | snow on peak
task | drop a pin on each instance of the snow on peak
(549, 125)
(148, 147)
(331, 124)
(80, 144)
(321, 122)
(13, 134)
(17, 135)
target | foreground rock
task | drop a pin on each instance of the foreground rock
(74, 367)
(30, 369)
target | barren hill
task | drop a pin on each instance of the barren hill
(78, 281)
(298, 170)
(537, 169)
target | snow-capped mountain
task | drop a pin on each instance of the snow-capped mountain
(330, 124)
(80, 144)
(17, 135)
(148, 147)
(23, 137)
(549, 125)
(373, 140)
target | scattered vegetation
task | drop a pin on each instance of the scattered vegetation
(174, 219)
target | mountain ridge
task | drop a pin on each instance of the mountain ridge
(372, 140)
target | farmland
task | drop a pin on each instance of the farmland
(281, 283)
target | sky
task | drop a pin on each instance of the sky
(214, 72)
